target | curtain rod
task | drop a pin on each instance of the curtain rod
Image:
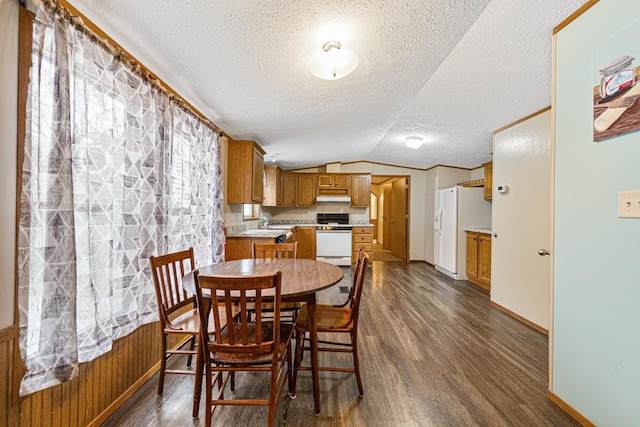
(105, 38)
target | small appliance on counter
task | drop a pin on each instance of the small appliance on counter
(333, 238)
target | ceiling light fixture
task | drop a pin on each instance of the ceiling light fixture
(334, 62)
(414, 142)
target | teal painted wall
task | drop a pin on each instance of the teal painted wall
(596, 294)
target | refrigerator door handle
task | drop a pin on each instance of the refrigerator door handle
(440, 222)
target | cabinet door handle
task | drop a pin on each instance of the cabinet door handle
(543, 252)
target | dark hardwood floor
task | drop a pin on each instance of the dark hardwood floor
(433, 352)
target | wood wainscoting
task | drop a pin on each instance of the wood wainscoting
(100, 388)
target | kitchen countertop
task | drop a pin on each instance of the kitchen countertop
(479, 230)
(269, 234)
(276, 230)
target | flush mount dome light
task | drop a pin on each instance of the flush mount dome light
(413, 142)
(334, 62)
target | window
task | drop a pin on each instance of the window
(250, 212)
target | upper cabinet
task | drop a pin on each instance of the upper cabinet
(360, 190)
(307, 189)
(289, 189)
(245, 172)
(334, 182)
(488, 180)
(273, 190)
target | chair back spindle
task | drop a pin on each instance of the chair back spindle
(168, 271)
(243, 337)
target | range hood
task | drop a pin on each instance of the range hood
(335, 199)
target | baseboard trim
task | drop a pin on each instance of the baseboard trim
(124, 396)
(9, 333)
(479, 283)
(569, 410)
(520, 318)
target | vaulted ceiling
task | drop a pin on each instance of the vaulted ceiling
(449, 71)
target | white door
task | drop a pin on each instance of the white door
(437, 233)
(520, 278)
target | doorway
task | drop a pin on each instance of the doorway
(390, 217)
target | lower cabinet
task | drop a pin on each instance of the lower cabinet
(242, 247)
(362, 238)
(306, 238)
(479, 259)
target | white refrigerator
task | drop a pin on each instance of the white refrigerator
(457, 208)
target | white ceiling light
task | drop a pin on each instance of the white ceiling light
(413, 142)
(334, 62)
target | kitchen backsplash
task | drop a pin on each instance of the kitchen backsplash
(279, 215)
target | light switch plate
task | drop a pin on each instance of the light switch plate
(629, 204)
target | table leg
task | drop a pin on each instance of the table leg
(313, 337)
(197, 384)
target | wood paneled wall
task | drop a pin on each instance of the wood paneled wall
(100, 388)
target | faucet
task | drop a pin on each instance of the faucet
(263, 223)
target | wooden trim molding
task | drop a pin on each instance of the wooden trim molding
(569, 410)
(524, 119)
(9, 333)
(520, 318)
(575, 15)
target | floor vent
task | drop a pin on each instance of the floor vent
(344, 289)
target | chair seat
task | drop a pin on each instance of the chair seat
(286, 331)
(327, 317)
(189, 322)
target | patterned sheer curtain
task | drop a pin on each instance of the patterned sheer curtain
(115, 170)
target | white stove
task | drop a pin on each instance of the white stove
(333, 239)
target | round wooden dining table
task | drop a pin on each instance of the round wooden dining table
(301, 280)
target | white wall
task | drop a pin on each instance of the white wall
(596, 288)
(449, 177)
(477, 173)
(520, 278)
(8, 152)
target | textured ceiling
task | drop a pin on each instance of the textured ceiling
(451, 71)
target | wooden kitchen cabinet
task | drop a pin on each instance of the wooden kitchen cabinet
(479, 259)
(362, 238)
(360, 190)
(245, 172)
(488, 180)
(334, 182)
(306, 238)
(289, 189)
(241, 247)
(307, 189)
(273, 186)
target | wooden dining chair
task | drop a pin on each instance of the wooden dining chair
(334, 319)
(177, 311)
(261, 345)
(277, 250)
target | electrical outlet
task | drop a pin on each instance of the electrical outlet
(629, 204)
